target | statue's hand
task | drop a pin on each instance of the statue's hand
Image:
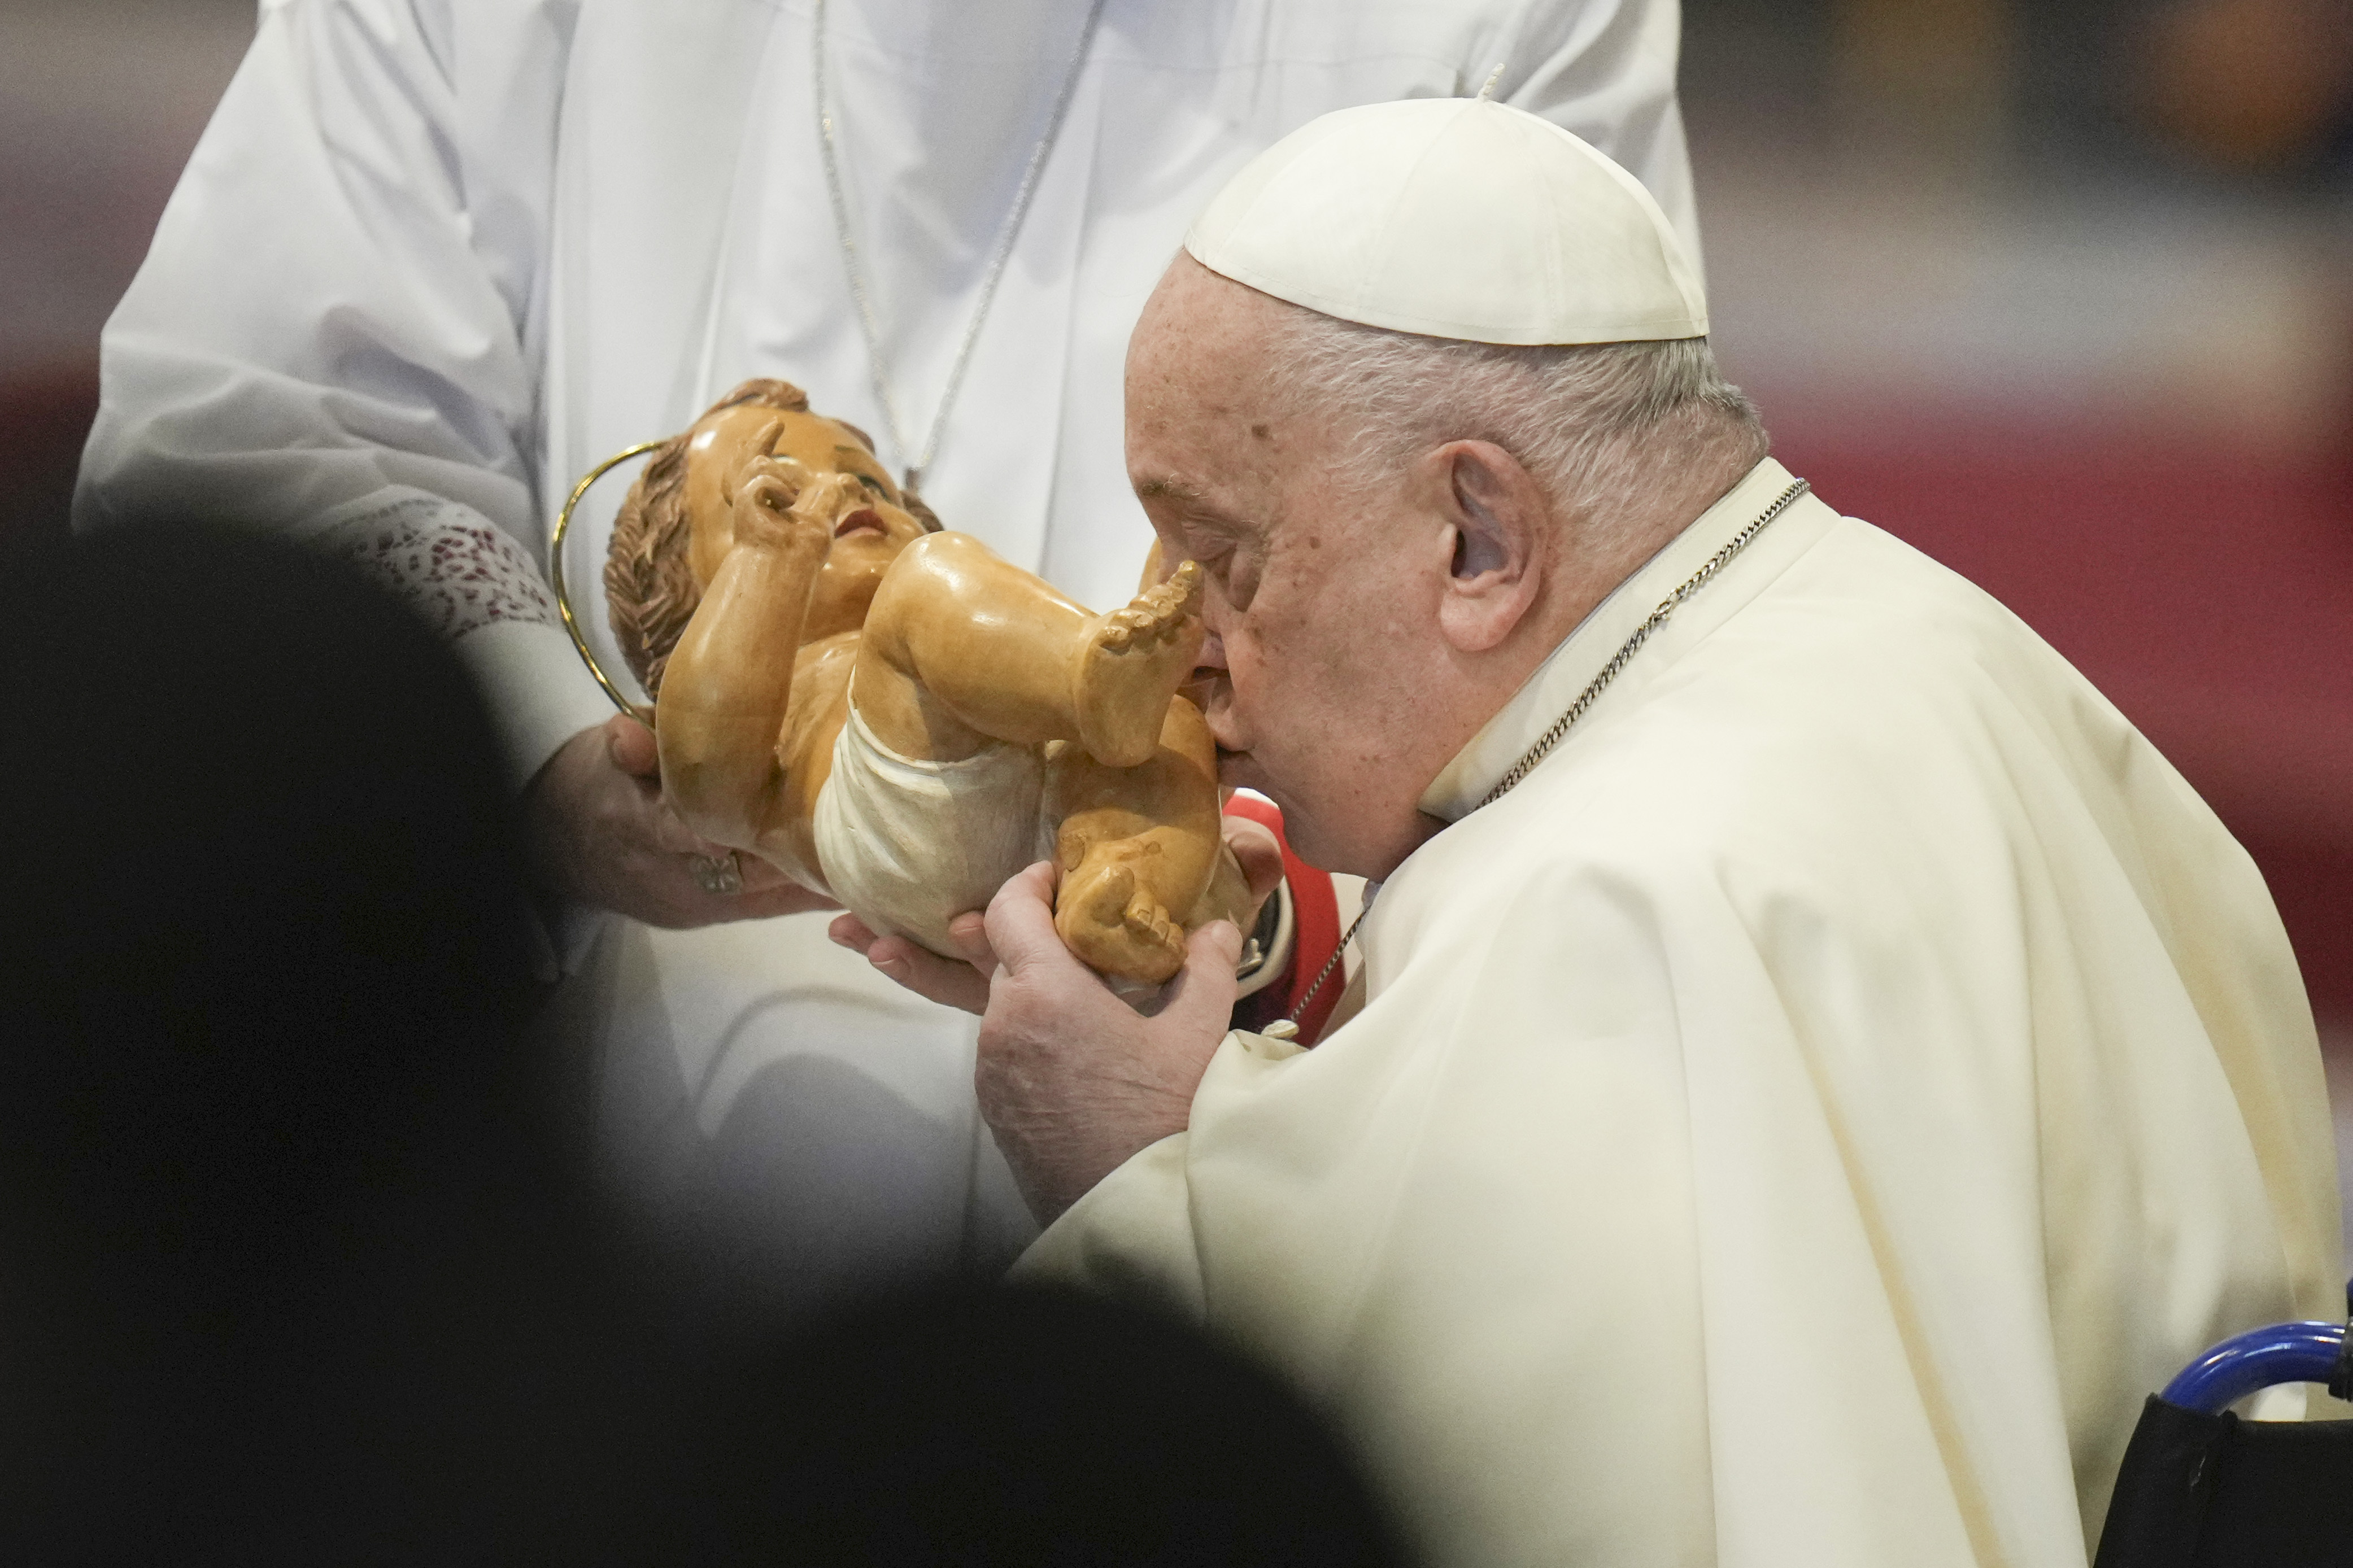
(781, 506)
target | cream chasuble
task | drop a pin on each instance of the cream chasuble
(1798, 1124)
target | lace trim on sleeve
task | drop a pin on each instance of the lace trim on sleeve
(446, 563)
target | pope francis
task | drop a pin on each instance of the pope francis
(1815, 1068)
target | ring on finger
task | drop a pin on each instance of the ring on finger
(723, 877)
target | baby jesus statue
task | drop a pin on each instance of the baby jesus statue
(898, 718)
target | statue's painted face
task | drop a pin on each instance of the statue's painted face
(871, 526)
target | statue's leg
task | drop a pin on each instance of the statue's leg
(1131, 663)
(962, 648)
(1137, 848)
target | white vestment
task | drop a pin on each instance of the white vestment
(1798, 1124)
(433, 258)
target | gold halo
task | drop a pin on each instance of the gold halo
(562, 594)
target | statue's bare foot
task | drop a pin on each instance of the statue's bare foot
(1134, 660)
(1116, 926)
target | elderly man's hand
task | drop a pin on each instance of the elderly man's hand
(1071, 1080)
(958, 982)
(598, 833)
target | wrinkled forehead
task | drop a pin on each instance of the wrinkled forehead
(1211, 437)
(1204, 331)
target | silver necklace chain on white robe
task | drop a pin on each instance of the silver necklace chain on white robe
(1585, 700)
(919, 460)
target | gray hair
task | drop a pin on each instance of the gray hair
(1592, 422)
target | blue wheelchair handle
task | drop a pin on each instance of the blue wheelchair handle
(2254, 1361)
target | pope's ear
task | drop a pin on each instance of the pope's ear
(1498, 514)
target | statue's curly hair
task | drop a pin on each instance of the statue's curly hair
(650, 588)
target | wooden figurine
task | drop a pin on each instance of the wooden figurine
(897, 718)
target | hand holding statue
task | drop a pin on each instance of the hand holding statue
(1072, 1081)
(598, 833)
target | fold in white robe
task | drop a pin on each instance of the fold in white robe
(433, 258)
(1797, 1125)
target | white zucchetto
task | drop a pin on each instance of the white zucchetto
(1453, 217)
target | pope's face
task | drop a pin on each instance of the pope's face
(870, 529)
(1319, 605)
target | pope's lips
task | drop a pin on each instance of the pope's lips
(864, 520)
(1217, 720)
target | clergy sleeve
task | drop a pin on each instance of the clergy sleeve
(1604, 70)
(1562, 1226)
(1129, 1238)
(1465, 1223)
(327, 337)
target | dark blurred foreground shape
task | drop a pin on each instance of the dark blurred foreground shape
(298, 1261)
(973, 1427)
(281, 1210)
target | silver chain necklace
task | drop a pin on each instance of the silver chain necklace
(1576, 710)
(863, 294)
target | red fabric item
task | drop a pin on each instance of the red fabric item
(1315, 912)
